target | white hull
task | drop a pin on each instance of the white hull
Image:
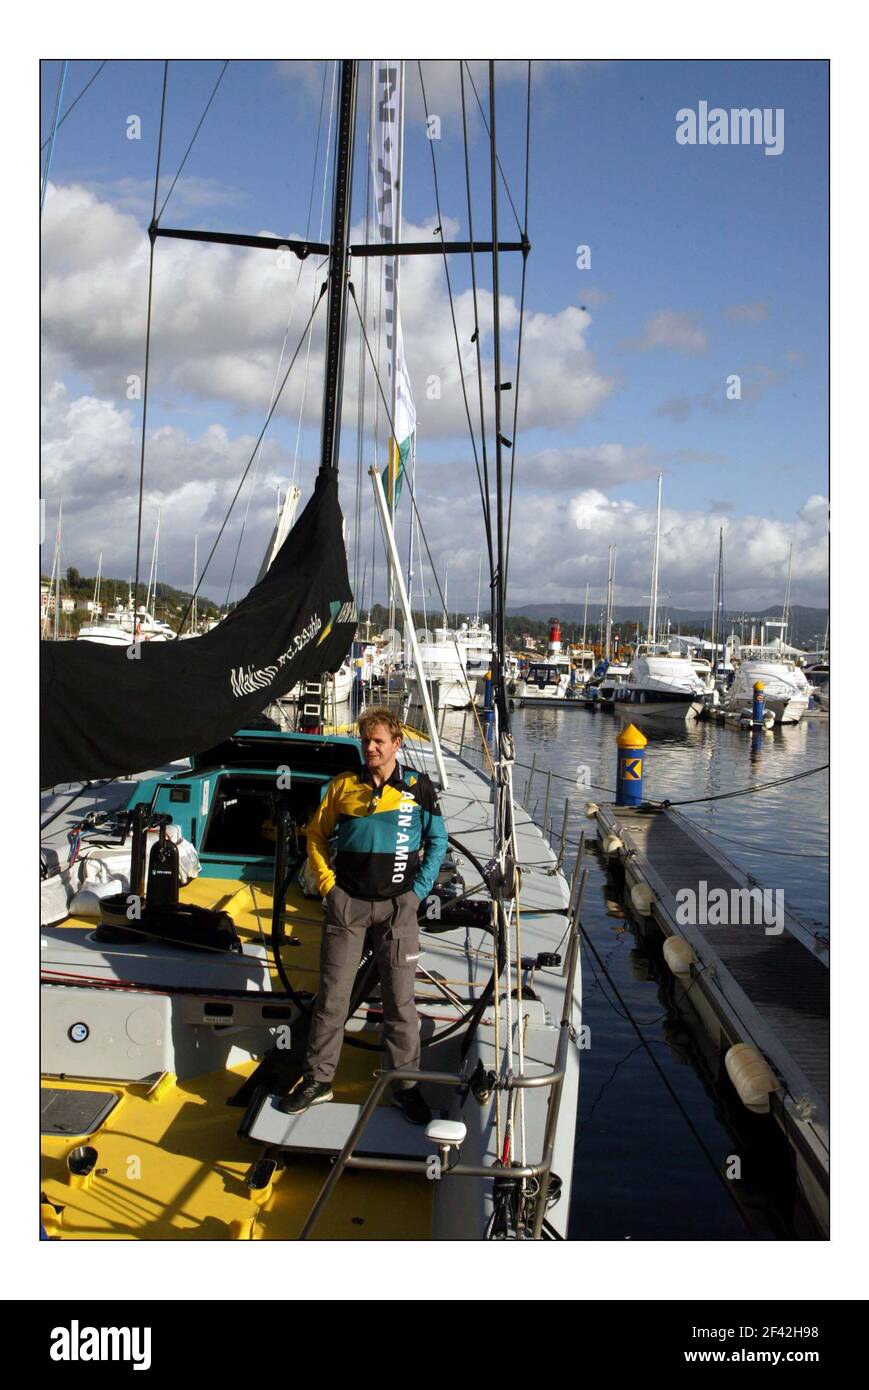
(554, 701)
(530, 695)
(662, 687)
(341, 683)
(786, 691)
(105, 637)
(641, 706)
(445, 692)
(787, 711)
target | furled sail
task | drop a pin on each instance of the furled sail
(107, 711)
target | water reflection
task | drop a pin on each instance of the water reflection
(640, 1169)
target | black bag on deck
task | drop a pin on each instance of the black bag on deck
(180, 924)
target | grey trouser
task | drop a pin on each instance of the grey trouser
(395, 938)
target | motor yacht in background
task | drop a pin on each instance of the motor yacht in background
(444, 671)
(549, 680)
(661, 685)
(475, 642)
(122, 626)
(785, 688)
(818, 677)
(662, 682)
(584, 664)
(608, 676)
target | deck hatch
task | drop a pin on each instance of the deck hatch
(74, 1112)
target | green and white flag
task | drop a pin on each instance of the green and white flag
(386, 174)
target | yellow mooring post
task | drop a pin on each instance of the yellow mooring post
(629, 777)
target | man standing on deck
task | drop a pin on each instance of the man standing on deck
(391, 842)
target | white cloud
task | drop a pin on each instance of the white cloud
(609, 464)
(190, 195)
(755, 312)
(561, 525)
(442, 86)
(90, 459)
(220, 315)
(676, 332)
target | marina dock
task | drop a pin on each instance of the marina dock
(749, 982)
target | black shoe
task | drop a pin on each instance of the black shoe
(305, 1093)
(413, 1105)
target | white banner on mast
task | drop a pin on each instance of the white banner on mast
(386, 173)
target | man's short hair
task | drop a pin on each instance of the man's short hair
(371, 717)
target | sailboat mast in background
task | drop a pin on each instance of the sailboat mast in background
(610, 585)
(653, 602)
(786, 611)
(195, 581)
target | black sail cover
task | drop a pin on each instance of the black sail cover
(106, 711)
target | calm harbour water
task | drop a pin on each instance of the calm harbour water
(648, 1166)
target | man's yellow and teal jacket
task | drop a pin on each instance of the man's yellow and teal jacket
(390, 838)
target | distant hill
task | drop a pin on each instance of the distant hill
(168, 605)
(806, 624)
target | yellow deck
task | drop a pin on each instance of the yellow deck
(172, 1165)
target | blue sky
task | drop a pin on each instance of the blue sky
(706, 261)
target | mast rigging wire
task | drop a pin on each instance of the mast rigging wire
(489, 133)
(476, 337)
(251, 459)
(193, 138)
(500, 692)
(332, 108)
(74, 103)
(521, 326)
(410, 490)
(54, 127)
(484, 489)
(289, 325)
(152, 239)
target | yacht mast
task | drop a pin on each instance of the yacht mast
(152, 574)
(97, 585)
(786, 610)
(498, 637)
(195, 578)
(611, 574)
(336, 305)
(391, 267)
(54, 581)
(718, 602)
(653, 605)
(720, 592)
(585, 615)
